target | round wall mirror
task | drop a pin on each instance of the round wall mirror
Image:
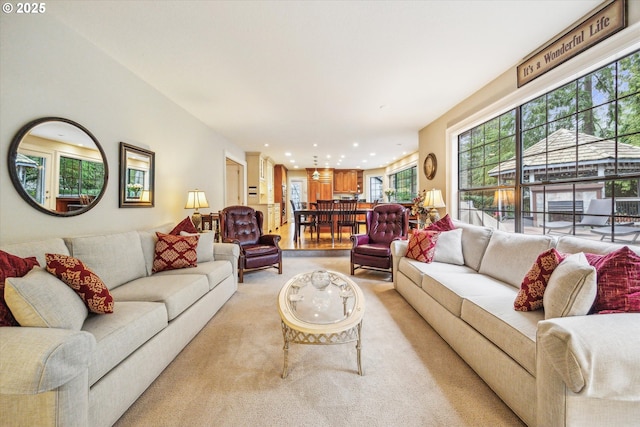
(58, 166)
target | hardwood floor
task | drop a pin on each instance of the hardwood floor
(308, 243)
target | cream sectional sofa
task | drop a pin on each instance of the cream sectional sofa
(90, 375)
(571, 371)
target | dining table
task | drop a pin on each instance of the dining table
(298, 213)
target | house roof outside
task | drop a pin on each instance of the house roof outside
(557, 154)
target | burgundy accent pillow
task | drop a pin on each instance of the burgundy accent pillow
(443, 224)
(185, 225)
(12, 266)
(618, 281)
(422, 245)
(530, 296)
(173, 252)
(89, 287)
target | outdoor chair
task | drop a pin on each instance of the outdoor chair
(596, 215)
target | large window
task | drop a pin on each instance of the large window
(405, 183)
(375, 188)
(80, 177)
(576, 144)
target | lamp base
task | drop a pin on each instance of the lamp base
(196, 218)
(434, 215)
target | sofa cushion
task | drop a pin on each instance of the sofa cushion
(414, 270)
(514, 332)
(215, 271)
(178, 292)
(205, 245)
(148, 239)
(174, 252)
(40, 299)
(83, 281)
(120, 334)
(37, 249)
(572, 245)
(422, 245)
(443, 224)
(116, 258)
(474, 243)
(618, 281)
(185, 225)
(449, 247)
(450, 289)
(572, 288)
(12, 266)
(510, 255)
(535, 282)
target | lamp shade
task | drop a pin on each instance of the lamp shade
(433, 199)
(196, 199)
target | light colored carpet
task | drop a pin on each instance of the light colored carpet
(229, 375)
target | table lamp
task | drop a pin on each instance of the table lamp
(433, 200)
(196, 199)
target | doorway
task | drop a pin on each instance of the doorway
(234, 187)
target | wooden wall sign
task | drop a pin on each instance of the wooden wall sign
(604, 22)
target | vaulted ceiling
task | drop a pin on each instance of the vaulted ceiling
(317, 77)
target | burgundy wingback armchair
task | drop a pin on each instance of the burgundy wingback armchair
(385, 223)
(243, 225)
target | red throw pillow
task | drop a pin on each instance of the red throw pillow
(618, 281)
(443, 224)
(174, 252)
(12, 266)
(535, 282)
(422, 245)
(184, 225)
(81, 279)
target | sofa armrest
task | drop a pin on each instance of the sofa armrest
(596, 356)
(36, 360)
(398, 250)
(229, 252)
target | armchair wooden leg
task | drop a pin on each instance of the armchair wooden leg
(240, 275)
(280, 267)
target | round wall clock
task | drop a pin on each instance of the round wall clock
(430, 166)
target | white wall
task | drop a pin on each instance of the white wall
(47, 69)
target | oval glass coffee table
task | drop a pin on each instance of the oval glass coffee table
(321, 308)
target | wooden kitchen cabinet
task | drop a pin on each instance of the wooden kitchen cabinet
(347, 181)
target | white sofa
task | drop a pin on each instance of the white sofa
(570, 371)
(89, 376)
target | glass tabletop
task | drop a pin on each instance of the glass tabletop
(320, 297)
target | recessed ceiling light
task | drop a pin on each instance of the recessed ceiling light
(292, 161)
(355, 144)
(287, 154)
(315, 145)
(364, 160)
(372, 154)
(266, 145)
(342, 156)
(295, 167)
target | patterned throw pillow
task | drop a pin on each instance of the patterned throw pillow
(12, 266)
(173, 252)
(443, 224)
(82, 280)
(618, 281)
(532, 289)
(185, 225)
(422, 245)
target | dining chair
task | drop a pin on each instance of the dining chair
(347, 216)
(324, 217)
(306, 220)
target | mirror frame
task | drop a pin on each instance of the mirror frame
(126, 202)
(13, 154)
